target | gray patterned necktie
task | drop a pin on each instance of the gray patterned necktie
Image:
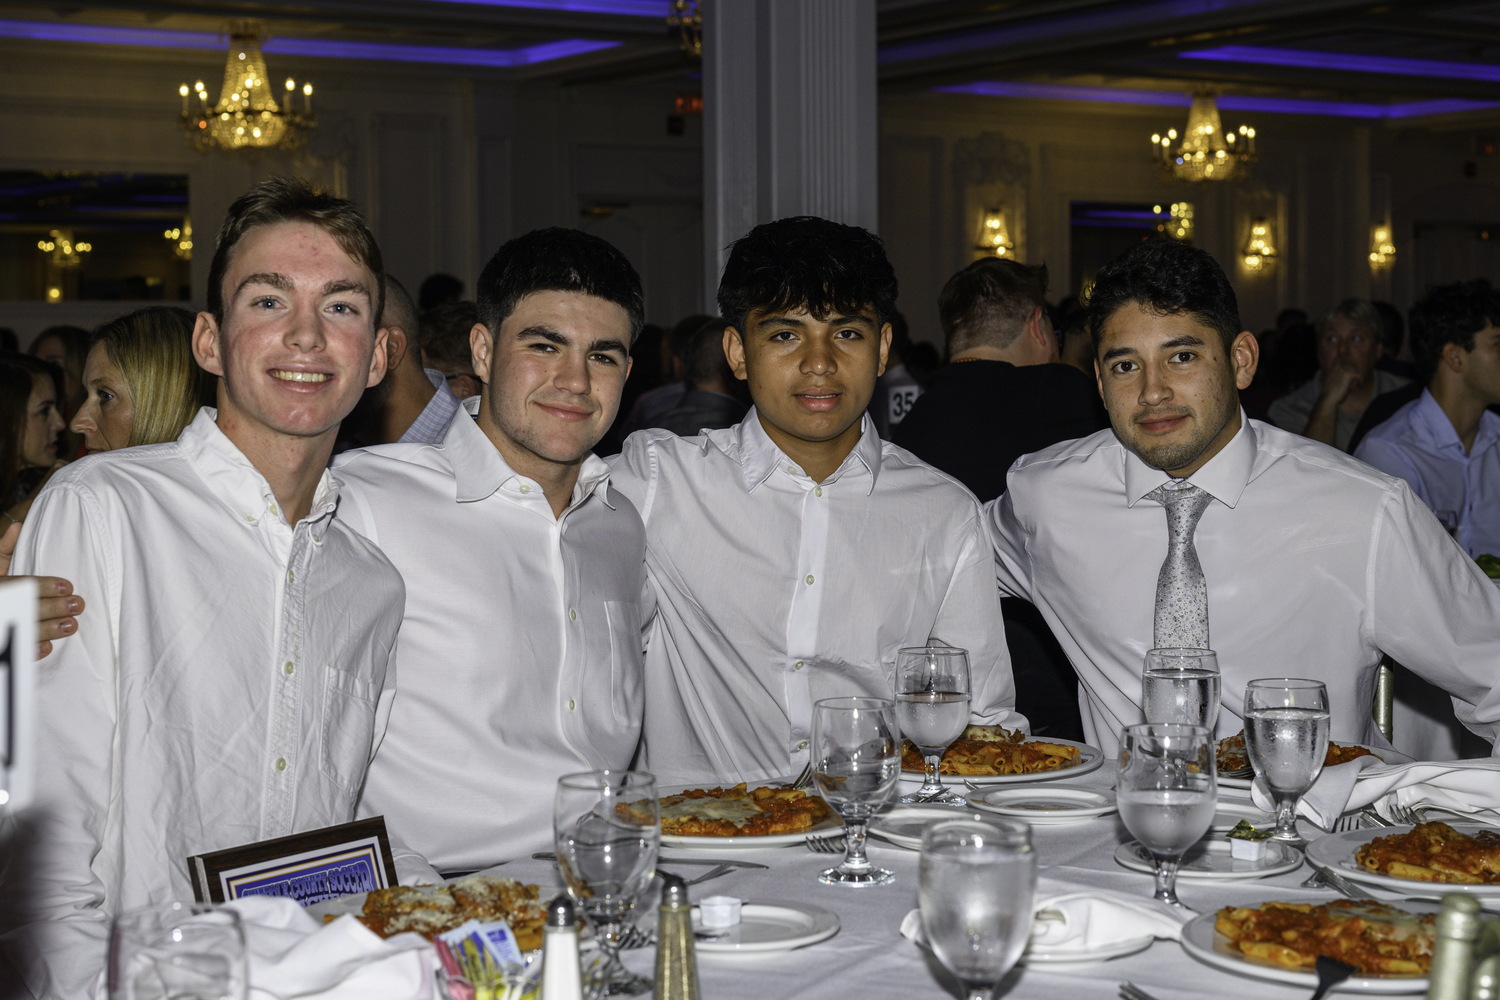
(1181, 592)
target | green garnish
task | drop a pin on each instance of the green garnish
(1244, 831)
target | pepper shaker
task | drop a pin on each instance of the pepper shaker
(562, 978)
(1453, 950)
(676, 961)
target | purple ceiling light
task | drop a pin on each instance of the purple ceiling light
(1348, 62)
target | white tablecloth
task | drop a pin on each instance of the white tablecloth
(868, 958)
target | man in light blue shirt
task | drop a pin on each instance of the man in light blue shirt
(1446, 443)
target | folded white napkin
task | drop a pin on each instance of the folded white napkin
(293, 955)
(1466, 787)
(1072, 917)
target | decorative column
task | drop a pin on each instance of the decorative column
(789, 117)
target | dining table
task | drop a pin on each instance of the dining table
(869, 956)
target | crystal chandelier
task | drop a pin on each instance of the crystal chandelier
(994, 235)
(1382, 250)
(61, 249)
(685, 22)
(247, 115)
(1207, 152)
(181, 238)
(1260, 249)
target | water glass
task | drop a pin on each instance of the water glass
(1286, 739)
(932, 706)
(1166, 793)
(977, 884)
(607, 827)
(181, 951)
(1181, 685)
(856, 760)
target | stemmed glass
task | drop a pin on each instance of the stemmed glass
(932, 705)
(1181, 685)
(1166, 793)
(856, 759)
(1286, 738)
(177, 951)
(607, 826)
(977, 884)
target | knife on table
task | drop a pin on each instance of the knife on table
(711, 862)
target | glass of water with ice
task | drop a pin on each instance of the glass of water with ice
(977, 884)
(932, 705)
(1286, 738)
(856, 759)
(1181, 685)
(1166, 793)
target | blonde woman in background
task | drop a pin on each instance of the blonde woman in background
(142, 382)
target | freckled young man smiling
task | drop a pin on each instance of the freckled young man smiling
(1188, 524)
(793, 554)
(232, 676)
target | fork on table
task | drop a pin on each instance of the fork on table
(826, 845)
(1130, 991)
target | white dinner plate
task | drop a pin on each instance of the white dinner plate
(1209, 860)
(1091, 758)
(1337, 851)
(1044, 805)
(1062, 959)
(1200, 940)
(828, 827)
(1386, 757)
(769, 925)
(903, 825)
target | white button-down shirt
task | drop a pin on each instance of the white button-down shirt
(774, 591)
(1315, 563)
(225, 687)
(1418, 443)
(520, 653)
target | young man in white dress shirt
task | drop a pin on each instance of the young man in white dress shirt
(794, 553)
(1310, 564)
(520, 652)
(232, 676)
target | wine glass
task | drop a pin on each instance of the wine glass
(1286, 738)
(856, 759)
(932, 706)
(1166, 793)
(177, 951)
(607, 826)
(977, 883)
(1181, 685)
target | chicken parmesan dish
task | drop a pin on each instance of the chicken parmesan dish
(741, 812)
(474, 897)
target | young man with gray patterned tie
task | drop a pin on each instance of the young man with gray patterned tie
(1284, 555)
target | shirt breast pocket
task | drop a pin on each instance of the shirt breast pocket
(348, 728)
(627, 685)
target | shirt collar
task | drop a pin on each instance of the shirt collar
(479, 469)
(1223, 477)
(759, 456)
(1432, 423)
(231, 476)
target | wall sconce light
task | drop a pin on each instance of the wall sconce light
(994, 234)
(1260, 248)
(1382, 250)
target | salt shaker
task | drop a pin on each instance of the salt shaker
(676, 962)
(1453, 950)
(562, 978)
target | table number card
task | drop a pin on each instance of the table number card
(307, 867)
(17, 692)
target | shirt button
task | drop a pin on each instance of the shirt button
(572, 615)
(271, 508)
(809, 579)
(281, 763)
(792, 469)
(817, 491)
(797, 665)
(288, 668)
(570, 704)
(525, 488)
(802, 745)
(291, 577)
(250, 518)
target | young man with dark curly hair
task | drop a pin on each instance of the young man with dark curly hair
(1187, 515)
(793, 554)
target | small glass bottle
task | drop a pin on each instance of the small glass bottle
(1453, 951)
(562, 978)
(676, 961)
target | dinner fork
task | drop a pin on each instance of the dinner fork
(712, 873)
(1130, 991)
(826, 845)
(1407, 815)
